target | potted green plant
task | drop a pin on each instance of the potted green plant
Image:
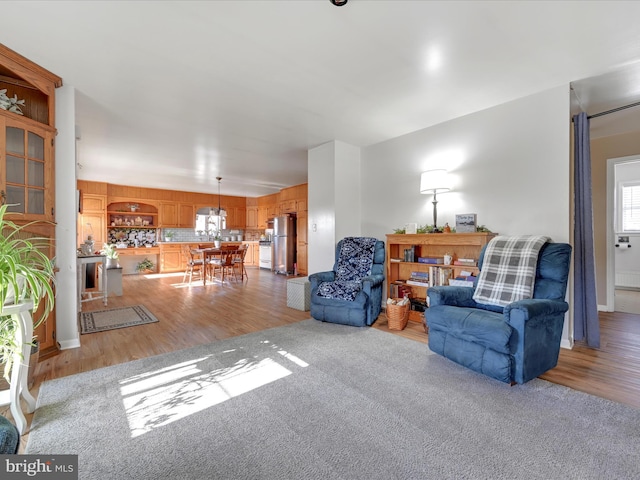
(217, 239)
(26, 273)
(109, 250)
(145, 266)
(168, 236)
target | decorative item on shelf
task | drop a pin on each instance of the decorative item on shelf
(168, 236)
(411, 228)
(11, 104)
(87, 247)
(466, 223)
(145, 266)
(448, 258)
(446, 228)
(138, 221)
(109, 251)
(434, 181)
(133, 206)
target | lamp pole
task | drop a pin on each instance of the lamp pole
(435, 211)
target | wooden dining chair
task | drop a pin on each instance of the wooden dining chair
(224, 263)
(195, 263)
(238, 261)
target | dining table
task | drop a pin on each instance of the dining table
(210, 254)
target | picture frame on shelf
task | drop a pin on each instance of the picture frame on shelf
(466, 223)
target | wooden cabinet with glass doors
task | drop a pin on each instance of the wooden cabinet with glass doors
(27, 154)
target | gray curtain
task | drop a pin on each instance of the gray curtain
(586, 323)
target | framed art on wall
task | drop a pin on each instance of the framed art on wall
(466, 223)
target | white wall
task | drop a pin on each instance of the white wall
(334, 207)
(321, 208)
(347, 191)
(66, 208)
(510, 165)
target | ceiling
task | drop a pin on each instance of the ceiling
(173, 94)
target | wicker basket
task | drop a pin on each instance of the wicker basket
(397, 315)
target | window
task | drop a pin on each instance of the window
(630, 207)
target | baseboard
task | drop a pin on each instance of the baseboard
(69, 344)
(604, 308)
(566, 343)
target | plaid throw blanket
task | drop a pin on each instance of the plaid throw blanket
(509, 269)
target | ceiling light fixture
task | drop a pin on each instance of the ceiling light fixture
(339, 3)
(219, 212)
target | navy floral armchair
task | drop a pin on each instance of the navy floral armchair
(350, 294)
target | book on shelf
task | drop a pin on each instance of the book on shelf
(395, 260)
(420, 274)
(418, 283)
(410, 254)
(439, 276)
(431, 260)
(399, 289)
(468, 262)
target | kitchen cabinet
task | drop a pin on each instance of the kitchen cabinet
(301, 240)
(186, 215)
(236, 218)
(171, 258)
(252, 217)
(168, 215)
(92, 220)
(288, 206)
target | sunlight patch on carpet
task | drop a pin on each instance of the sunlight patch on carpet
(167, 395)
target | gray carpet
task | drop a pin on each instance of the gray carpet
(322, 401)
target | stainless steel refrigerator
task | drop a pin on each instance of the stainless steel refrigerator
(283, 243)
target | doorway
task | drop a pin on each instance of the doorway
(623, 234)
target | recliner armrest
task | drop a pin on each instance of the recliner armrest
(533, 307)
(454, 296)
(373, 279)
(316, 279)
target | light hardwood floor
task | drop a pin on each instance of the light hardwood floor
(195, 315)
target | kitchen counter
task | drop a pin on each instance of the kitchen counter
(198, 242)
(138, 251)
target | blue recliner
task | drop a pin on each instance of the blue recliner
(350, 294)
(515, 343)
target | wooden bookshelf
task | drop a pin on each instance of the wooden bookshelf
(433, 245)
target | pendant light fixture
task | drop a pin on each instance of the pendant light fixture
(219, 212)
